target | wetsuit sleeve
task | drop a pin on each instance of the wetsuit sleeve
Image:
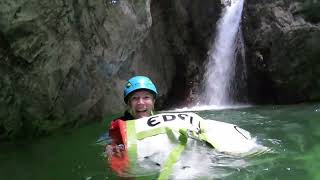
(118, 160)
(114, 132)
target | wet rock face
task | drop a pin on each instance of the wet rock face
(189, 27)
(283, 46)
(65, 62)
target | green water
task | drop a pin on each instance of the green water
(291, 132)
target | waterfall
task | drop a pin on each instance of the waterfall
(220, 69)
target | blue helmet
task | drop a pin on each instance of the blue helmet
(137, 83)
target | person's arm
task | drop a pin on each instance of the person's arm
(117, 156)
(115, 133)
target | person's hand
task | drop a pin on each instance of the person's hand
(115, 150)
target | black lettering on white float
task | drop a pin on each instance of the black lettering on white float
(156, 120)
(153, 121)
(168, 117)
(182, 116)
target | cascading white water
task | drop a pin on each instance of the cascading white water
(221, 66)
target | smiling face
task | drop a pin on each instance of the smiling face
(141, 104)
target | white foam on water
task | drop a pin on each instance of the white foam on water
(207, 107)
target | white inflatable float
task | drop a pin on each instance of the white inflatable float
(223, 137)
(163, 141)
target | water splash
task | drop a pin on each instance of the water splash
(221, 66)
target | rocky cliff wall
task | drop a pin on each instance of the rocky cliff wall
(65, 62)
(283, 48)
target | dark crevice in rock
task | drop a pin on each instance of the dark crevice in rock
(190, 27)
